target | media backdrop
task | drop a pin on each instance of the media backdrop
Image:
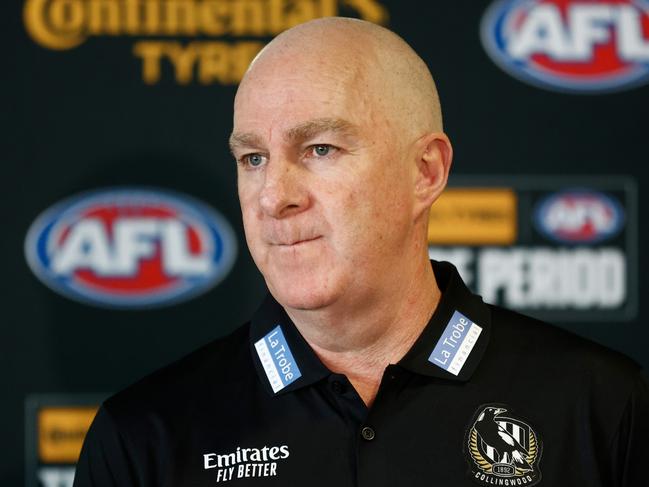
(122, 243)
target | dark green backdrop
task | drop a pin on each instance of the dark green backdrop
(79, 119)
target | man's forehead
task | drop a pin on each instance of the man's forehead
(270, 92)
(300, 131)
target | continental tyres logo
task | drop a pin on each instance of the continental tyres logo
(178, 32)
(471, 216)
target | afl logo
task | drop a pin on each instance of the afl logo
(130, 248)
(579, 217)
(584, 46)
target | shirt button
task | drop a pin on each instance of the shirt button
(367, 433)
(337, 387)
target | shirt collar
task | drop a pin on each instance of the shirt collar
(269, 316)
(455, 297)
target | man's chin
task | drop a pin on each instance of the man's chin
(301, 295)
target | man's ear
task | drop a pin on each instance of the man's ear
(434, 158)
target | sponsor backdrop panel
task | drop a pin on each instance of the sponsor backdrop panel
(123, 247)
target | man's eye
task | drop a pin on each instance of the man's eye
(253, 160)
(322, 150)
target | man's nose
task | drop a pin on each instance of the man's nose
(284, 192)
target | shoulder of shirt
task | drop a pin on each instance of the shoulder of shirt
(550, 349)
(225, 362)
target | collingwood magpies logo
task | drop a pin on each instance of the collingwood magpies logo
(502, 449)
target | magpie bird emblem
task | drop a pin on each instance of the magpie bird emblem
(502, 446)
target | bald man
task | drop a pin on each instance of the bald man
(341, 153)
(367, 364)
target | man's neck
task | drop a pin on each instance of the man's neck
(361, 342)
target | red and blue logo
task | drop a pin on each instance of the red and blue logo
(577, 46)
(579, 217)
(130, 247)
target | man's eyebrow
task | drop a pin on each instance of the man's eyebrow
(311, 128)
(302, 131)
(244, 140)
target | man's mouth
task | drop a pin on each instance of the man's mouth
(297, 242)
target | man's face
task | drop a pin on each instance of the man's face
(325, 191)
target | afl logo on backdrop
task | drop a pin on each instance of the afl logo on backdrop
(579, 217)
(130, 247)
(583, 46)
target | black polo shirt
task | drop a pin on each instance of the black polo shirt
(484, 397)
